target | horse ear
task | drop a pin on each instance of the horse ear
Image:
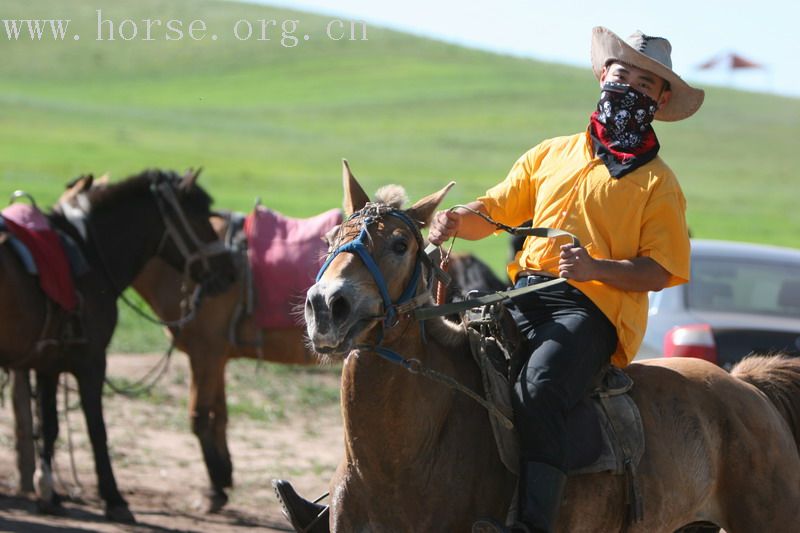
(78, 185)
(354, 196)
(190, 178)
(423, 210)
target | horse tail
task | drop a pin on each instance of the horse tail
(777, 376)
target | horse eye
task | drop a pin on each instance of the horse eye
(399, 246)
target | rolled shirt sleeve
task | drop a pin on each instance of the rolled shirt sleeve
(510, 201)
(665, 237)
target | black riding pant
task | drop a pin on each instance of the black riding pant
(570, 340)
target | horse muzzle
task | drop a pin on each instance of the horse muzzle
(333, 320)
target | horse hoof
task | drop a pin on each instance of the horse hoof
(215, 501)
(51, 507)
(121, 514)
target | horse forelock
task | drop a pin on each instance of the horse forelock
(392, 195)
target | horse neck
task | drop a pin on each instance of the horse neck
(395, 419)
(125, 235)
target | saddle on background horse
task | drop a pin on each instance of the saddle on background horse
(285, 254)
(278, 257)
(53, 257)
(605, 430)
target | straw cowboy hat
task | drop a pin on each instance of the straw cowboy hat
(651, 54)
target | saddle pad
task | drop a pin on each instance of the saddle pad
(285, 255)
(32, 228)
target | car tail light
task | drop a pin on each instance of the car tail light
(692, 340)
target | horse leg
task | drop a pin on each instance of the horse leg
(220, 434)
(90, 386)
(26, 455)
(47, 384)
(207, 391)
(347, 510)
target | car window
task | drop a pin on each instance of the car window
(744, 286)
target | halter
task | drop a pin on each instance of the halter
(164, 194)
(370, 214)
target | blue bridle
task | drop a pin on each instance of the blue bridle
(358, 247)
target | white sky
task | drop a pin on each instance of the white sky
(764, 31)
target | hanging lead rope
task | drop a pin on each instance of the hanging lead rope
(141, 386)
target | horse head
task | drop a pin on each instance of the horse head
(359, 295)
(187, 240)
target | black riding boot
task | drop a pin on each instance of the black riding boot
(540, 497)
(540, 490)
(305, 516)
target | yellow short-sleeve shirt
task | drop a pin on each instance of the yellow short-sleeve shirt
(561, 184)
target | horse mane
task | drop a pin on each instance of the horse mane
(195, 198)
(777, 376)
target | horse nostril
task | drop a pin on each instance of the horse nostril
(339, 309)
(316, 311)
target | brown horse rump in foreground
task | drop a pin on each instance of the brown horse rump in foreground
(720, 448)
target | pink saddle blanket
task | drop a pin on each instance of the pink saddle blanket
(285, 255)
(32, 228)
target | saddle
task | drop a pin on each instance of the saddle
(235, 241)
(605, 430)
(53, 257)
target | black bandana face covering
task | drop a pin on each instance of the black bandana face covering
(626, 114)
(620, 128)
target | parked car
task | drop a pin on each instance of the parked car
(742, 298)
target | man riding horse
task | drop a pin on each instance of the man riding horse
(608, 186)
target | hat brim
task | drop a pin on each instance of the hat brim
(607, 47)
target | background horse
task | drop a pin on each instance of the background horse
(120, 227)
(721, 448)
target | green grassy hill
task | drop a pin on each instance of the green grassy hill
(273, 122)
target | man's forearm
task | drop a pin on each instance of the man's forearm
(639, 274)
(473, 227)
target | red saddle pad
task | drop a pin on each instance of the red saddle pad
(285, 255)
(32, 228)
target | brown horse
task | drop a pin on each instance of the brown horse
(119, 228)
(206, 339)
(721, 448)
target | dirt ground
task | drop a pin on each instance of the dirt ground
(159, 467)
